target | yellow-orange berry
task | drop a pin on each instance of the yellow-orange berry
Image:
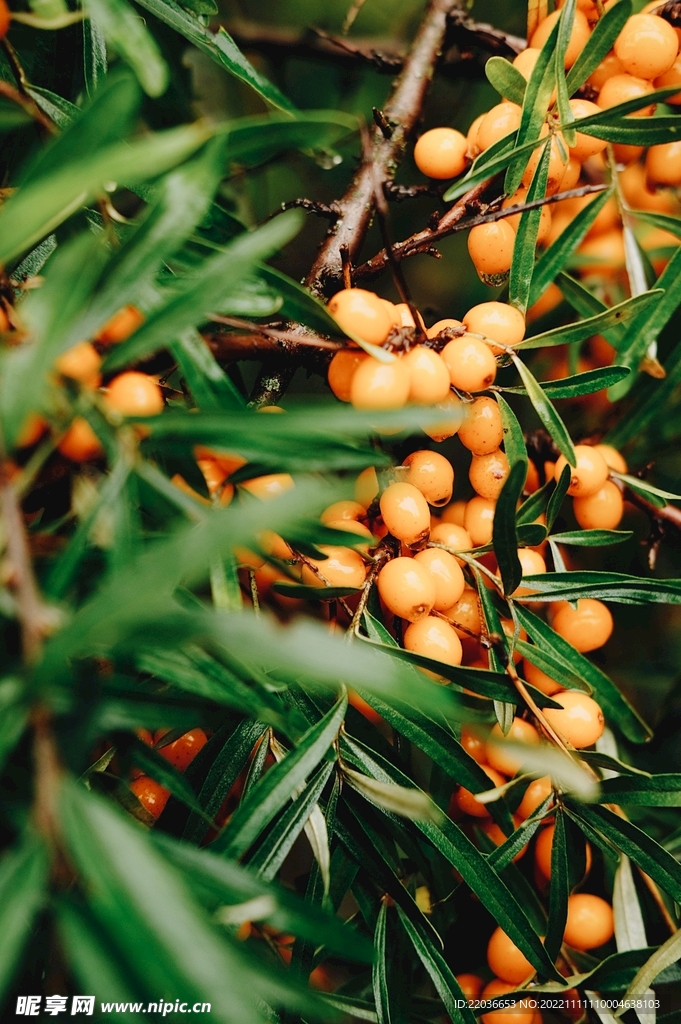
(405, 513)
(639, 196)
(647, 46)
(581, 721)
(454, 513)
(526, 60)
(407, 588)
(663, 163)
(590, 473)
(470, 985)
(273, 485)
(343, 567)
(352, 526)
(498, 122)
(479, 520)
(452, 536)
(81, 362)
(613, 459)
(488, 473)
(134, 394)
(377, 385)
(474, 744)
(602, 510)
(490, 246)
(121, 325)
(535, 795)
(433, 474)
(346, 509)
(499, 755)
(471, 364)
(428, 376)
(578, 37)
(540, 679)
(447, 577)
(571, 175)
(151, 794)
(622, 88)
(433, 638)
(558, 162)
(366, 486)
(586, 145)
(472, 137)
(603, 255)
(506, 960)
(519, 198)
(609, 66)
(80, 443)
(469, 803)
(342, 369)
(441, 325)
(465, 615)
(497, 320)
(532, 564)
(511, 1014)
(586, 627)
(359, 312)
(441, 153)
(669, 78)
(590, 921)
(452, 410)
(182, 751)
(482, 431)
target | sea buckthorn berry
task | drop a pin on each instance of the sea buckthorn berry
(359, 312)
(454, 513)
(506, 960)
(519, 198)
(404, 315)
(526, 60)
(532, 564)
(578, 37)
(441, 325)
(647, 46)
(432, 473)
(343, 567)
(535, 677)
(498, 122)
(639, 196)
(441, 153)
(558, 162)
(151, 794)
(182, 751)
(581, 721)
(452, 410)
(405, 513)
(341, 371)
(471, 364)
(499, 755)
(586, 145)
(497, 320)
(613, 459)
(352, 526)
(407, 588)
(609, 66)
(543, 845)
(602, 510)
(270, 486)
(590, 921)
(532, 479)
(447, 576)
(535, 795)
(393, 312)
(479, 520)
(377, 385)
(346, 509)
(33, 428)
(621, 89)
(488, 473)
(80, 443)
(603, 255)
(490, 246)
(474, 744)
(433, 638)
(493, 832)
(452, 536)
(366, 486)
(428, 376)
(590, 473)
(663, 163)
(465, 615)
(482, 431)
(81, 362)
(134, 394)
(469, 803)
(587, 627)
(511, 1014)
(274, 545)
(669, 78)
(470, 985)
(508, 625)
(121, 325)
(472, 137)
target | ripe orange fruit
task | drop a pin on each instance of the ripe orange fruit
(405, 513)
(497, 320)
(360, 312)
(472, 138)
(470, 985)
(441, 153)
(490, 246)
(407, 588)
(578, 37)
(602, 510)
(273, 485)
(343, 567)
(609, 66)
(341, 371)
(526, 60)
(479, 520)
(432, 474)
(121, 325)
(537, 678)
(535, 795)
(377, 385)
(581, 721)
(543, 846)
(352, 526)
(151, 794)
(428, 374)
(345, 509)
(590, 473)
(505, 959)
(452, 536)
(647, 46)
(81, 362)
(488, 473)
(465, 615)
(496, 123)
(499, 755)
(603, 255)
(612, 457)
(80, 443)
(558, 162)
(471, 364)
(621, 88)
(509, 1014)
(493, 832)
(586, 145)
(441, 325)
(469, 803)
(182, 751)
(474, 744)
(447, 576)
(452, 410)
(366, 486)
(669, 78)
(590, 922)
(434, 638)
(134, 394)
(663, 163)
(32, 430)
(586, 627)
(532, 564)
(454, 513)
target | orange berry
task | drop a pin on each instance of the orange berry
(182, 751)
(471, 364)
(602, 510)
(134, 394)
(5, 19)
(474, 745)
(499, 755)
(669, 78)
(343, 567)
(81, 362)
(407, 588)
(497, 320)
(352, 526)
(428, 374)
(639, 196)
(441, 153)
(441, 325)
(341, 371)
(479, 520)
(535, 795)
(506, 960)
(346, 509)
(578, 37)
(526, 60)
(403, 313)
(612, 457)
(366, 486)
(581, 721)
(80, 443)
(121, 325)
(647, 46)
(532, 478)
(432, 474)
(454, 513)
(465, 615)
(537, 678)
(543, 845)
(488, 473)
(663, 163)
(587, 627)
(472, 137)
(511, 1014)
(498, 122)
(532, 564)
(586, 145)
(622, 88)
(452, 536)
(603, 255)
(469, 803)
(405, 513)
(558, 162)
(590, 922)
(452, 409)
(274, 545)
(447, 576)
(493, 832)
(482, 431)
(33, 428)
(609, 66)
(590, 473)
(470, 985)
(433, 638)
(151, 794)
(519, 198)
(490, 246)
(547, 301)
(273, 485)
(359, 312)
(377, 385)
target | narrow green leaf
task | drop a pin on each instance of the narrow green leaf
(23, 880)
(645, 488)
(128, 35)
(653, 131)
(663, 957)
(546, 413)
(592, 538)
(514, 440)
(560, 888)
(654, 791)
(565, 26)
(489, 167)
(659, 220)
(522, 266)
(381, 969)
(400, 800)
(608, 586)
(210, 386)
(600, 43)
(593, 325)
(506, 79)
(585, 383)
(504, 534)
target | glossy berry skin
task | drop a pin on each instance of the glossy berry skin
(482, 431)
(602, 510)
(578, 37)
(433, 474)
(497, 320)
(377, 385)
(134, 394)
(407, 588)
(465, 615)
(468, 802)
(441, 153)
(540, 679)
(532, 564)
(590, 473)
(501, 120)
(447, 576)
(663, 164)
(352, 526)
(151, 794)
(81, 362)
(471, 364)
(609, 66)
(405, 512)
(558, 162)
(341, 371)
(509, 1014)
(581, 722)
(587, 627)
(182, 751)
(270, 486)
(366, 486)
(80, 443)
(345, 509)
(590, 921)
(474, 745)
(429, 376)
(442, 325)
(470, 985)
(433, 638)
(360, 312)
(479, 520)
(526, 60)
(621, 89)
(488, 473)
(669, 78)
(499, 755)
(343, 567)
(452, 412)
(586, 145)
(647, 46)
(535, 795)
(505, 959)
(543, 846)
(121, 325)
(454, 513)
(490, 246)
(452, 536)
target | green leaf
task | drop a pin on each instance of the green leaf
(560, 888)
(153, 764)
(298, 303)
(522, 266)
(514, 441)
(381, 969)
(489, 167)
(642, 131)
(506, 79)
(400, 800)
(59, 110)
(659, 220)
(23, 881)
(557, 497)
(593, 325)
(565, 26)
(553, 666)
(653, 791)
(546, 412)
(646, 489)
(616, 113)
(128, 35)
(591, 538)
(600, 43)
(252, 140)
(663, 957)
(210, 386)
(504, 534)
(608, 586)
(312, 593)
(585, 383)
(630, 931)
(95, 63)
(14, 715)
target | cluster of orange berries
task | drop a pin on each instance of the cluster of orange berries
(179, 753)
(645, 57)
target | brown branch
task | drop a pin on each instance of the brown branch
(28, 105)
(466, 33)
